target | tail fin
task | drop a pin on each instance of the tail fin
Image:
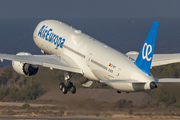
(145, 57)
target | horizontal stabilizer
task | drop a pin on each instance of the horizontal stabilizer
(159, 59)
(167, 80)
(120, 81)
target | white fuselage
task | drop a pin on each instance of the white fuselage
(97, 60)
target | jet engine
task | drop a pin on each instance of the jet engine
(24, 68)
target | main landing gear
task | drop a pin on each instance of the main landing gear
(67, 85)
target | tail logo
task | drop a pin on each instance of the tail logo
(147, 49)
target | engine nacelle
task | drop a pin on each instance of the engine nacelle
(24, 68)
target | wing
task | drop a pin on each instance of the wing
(53, 61)
(158, 59)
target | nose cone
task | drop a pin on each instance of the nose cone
(153, 85)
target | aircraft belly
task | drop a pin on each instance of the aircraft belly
(100, 74)
(127, 87)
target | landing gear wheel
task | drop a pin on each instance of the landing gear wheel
(64, 89)
(61, 85)
(73, 89)
(69, 85)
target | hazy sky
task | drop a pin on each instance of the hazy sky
(88, 8)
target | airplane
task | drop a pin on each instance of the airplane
(69, 49)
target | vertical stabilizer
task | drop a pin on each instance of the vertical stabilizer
(145, 57)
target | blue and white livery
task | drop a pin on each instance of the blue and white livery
(145, 57)
(48, 35)
(70, 50)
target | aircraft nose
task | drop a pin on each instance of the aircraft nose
(153, 85)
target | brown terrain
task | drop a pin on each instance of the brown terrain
(107, 95)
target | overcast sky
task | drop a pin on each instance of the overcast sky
(88, 8)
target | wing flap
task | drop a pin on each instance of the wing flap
(53, 61)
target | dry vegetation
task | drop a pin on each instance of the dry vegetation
(14, 87)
